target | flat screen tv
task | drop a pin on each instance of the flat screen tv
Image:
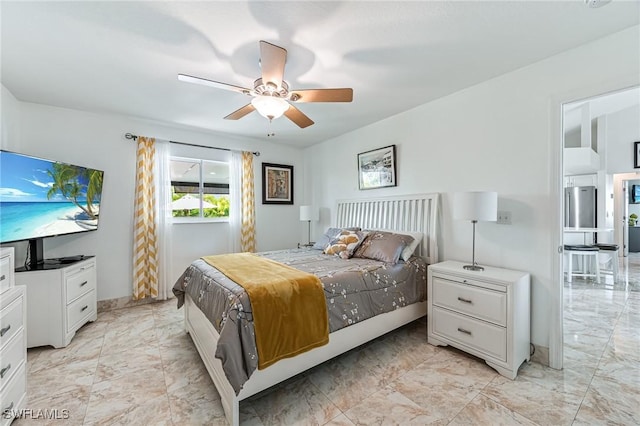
(44, 198)
(635, 194)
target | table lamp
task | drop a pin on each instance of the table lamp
(309, 213)
(475, 206)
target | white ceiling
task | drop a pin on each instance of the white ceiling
(124, 57)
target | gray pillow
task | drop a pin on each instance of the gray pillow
(329, 235)
(383, 246)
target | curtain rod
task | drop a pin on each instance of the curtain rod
(134, 137)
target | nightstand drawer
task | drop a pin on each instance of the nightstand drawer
(478, 302)
(11, 358)
(80, 310)
(13, 396)
(481, 336)
(6, 272)
(80, 282)
(11, 319)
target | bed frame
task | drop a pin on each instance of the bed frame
(417, 213)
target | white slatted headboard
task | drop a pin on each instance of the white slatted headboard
(416, 213)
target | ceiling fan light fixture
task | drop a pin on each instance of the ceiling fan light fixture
(270, 106)
(270, 93)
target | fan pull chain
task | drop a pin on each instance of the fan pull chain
(270, 134)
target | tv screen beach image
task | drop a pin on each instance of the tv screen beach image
(41, 198)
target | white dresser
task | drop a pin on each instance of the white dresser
(485, 313)
(60, 302)
(13, 340)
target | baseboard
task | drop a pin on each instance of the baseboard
(541, 355)
(122, 302)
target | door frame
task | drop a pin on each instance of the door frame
(621, 209)
(556, 174)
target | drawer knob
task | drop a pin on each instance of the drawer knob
(462, 330)
(84, 308)
(83, 284)
(3, 277)
(4, 330)
(463, 300)
(4, 371)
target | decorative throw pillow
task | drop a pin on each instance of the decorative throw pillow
(383, 246)
(345, 243)
(329, 235)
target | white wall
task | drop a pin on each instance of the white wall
(493, 136)
(10, 117)
(623, 128)
(97, 141)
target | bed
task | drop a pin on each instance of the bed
(413, 213)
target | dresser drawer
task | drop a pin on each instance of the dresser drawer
(6, 272)
(12, 397)
(11, 358)
(11, 319)
(481, 336)
(80, 310)
(478, 302)
(80, 282)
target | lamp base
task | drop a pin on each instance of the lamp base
(473, 267)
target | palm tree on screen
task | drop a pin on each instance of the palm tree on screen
(66, 180)
(94, 188)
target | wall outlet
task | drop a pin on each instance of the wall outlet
(504, 217)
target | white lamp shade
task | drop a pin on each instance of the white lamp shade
(309, 213)
(479, 205)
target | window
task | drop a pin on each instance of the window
(200, 188)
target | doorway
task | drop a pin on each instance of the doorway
(600, 130)
(627, 209)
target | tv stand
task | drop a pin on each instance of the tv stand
(53, 263)
(61, 299)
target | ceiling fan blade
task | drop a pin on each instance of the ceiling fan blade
(239, 113)
(322, 95)
(298, 117)
(272, 60)
(211, 83)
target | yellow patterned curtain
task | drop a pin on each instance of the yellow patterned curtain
(248, 220)
(145, 243)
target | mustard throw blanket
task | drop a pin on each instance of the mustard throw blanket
(289, 306)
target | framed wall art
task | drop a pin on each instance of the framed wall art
(277, 184)
(377, 168)
(636, 155)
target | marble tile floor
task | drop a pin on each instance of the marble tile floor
(137, 366)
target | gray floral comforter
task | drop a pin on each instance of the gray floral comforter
(355, 289)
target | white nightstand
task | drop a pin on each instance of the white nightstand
(13, 341)
(485, 313)
(60, 302)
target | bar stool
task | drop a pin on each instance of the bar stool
(588, 253)
(610, 250)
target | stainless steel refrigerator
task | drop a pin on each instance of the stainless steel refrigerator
(580, 207)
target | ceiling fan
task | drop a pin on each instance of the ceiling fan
(271, 93)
